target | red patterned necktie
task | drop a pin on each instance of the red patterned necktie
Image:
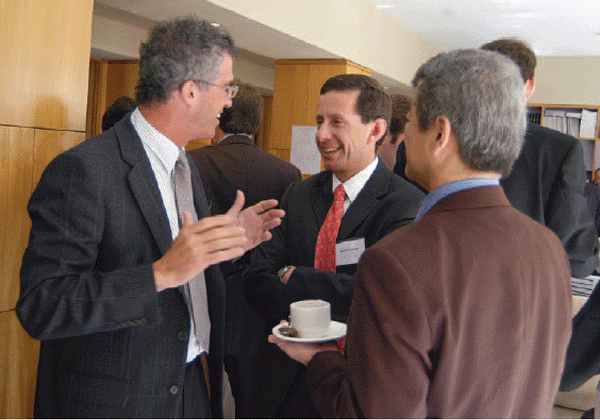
(325, 249)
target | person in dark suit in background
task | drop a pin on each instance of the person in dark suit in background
(352, 117)
(395, 136)
(105, 279)
(591, 192)
(463, 313)
(115, 113)
(546, 182)
(234, 163)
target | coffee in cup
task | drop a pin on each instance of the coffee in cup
(310, 318)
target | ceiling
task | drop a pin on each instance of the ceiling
(551, 27)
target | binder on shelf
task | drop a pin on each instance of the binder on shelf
(556, 120)
(587, 128)
(573, 122)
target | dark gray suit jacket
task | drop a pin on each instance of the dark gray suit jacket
(111, 345)
(386, 203)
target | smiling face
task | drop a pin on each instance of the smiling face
(347, 146)
(211, 101)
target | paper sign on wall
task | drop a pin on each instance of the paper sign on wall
(304, 153)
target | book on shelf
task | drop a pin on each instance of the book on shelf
(534, 117)
(573, 123)
(587, 128)
(556, 119)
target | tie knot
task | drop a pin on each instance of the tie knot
(339, 194)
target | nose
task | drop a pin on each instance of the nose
(323, 132)
(228, 103)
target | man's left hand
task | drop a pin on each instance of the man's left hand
(258, 219)
(302, 352)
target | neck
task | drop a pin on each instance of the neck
(165, 119)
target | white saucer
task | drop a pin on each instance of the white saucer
(336, 330)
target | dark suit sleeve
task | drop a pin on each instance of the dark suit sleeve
(583, 354)
(63, 291)
(567, 214)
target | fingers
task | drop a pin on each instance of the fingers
(265, 205)
(188, 219)
(237, 205)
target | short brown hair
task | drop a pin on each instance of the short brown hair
(245, 114)
(518, 51)
(400, 107)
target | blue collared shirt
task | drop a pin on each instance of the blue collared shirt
(453, 187)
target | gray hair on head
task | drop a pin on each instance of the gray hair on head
(482, 95)
(177, 51)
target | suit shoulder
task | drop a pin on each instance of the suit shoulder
(401, 186)
(541, 134)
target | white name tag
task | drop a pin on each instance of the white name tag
(349, 252)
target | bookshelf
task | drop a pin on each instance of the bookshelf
(580, 121)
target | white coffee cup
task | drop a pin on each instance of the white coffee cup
(311, 318)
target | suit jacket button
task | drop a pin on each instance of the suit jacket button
(174, 389)
(182, 335)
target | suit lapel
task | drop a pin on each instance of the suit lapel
(365, 202)
(321, 198)
(143, 184)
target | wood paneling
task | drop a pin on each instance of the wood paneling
(44, 85)
(16, 150)
(109, 80)
(43, 43)
(18, 357)
(18, 369)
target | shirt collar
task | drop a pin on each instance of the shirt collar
(354, 185)
(166, 151)
(445, 190)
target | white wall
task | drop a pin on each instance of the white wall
(567, 80)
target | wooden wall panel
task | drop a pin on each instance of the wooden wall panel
(16, 151)
(18, 360)
(122, 79)
(42, 46)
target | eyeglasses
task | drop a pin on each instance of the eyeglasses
(230, 90)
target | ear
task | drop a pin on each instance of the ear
(444, 140)
(529, 88)
(189, 92)
(378, 130)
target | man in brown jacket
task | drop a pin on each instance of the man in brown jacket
(466, 311)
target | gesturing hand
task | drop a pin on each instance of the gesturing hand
(257, 220)
(209, 241)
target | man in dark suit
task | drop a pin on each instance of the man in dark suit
(465, 312)
(106, 281)
(234, 163)
(353, 112)
(546, 182)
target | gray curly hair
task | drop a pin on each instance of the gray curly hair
(177, 51)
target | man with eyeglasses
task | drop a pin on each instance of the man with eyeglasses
(119, 281)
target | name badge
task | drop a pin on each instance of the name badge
(349, 252)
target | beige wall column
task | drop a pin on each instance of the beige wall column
(295, 95)
(43, 85)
